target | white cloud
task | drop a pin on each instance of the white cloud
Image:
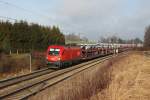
(98, 17)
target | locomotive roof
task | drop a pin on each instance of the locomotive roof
(62, 46)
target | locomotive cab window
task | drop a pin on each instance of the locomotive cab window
(54, 51)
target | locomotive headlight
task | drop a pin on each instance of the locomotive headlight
(59, 58)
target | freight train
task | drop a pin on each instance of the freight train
(62, 56)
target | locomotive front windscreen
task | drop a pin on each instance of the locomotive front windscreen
(54, 52)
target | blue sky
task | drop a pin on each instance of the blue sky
(90, 18)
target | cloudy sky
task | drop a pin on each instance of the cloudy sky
(90, 18)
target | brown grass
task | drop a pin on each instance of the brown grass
(130, 80)
(88, 85)
(10, 66)
(14, 65)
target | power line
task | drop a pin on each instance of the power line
(27, 10)
(21, 8)
(8, 18)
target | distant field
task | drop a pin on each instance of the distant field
(19, 56)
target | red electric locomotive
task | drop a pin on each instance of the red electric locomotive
(62, 55)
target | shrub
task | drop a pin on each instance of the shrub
(6, 64)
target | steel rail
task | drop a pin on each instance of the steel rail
(14, 80)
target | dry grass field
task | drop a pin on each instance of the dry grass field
(122, 78)
(130, 79)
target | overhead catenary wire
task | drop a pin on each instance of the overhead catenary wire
(8, 18)
(31, 12)
(24, 9)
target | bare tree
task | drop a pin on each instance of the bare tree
(147, 38)
(72, 37)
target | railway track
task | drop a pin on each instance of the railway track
(10, 81)
(24, 89)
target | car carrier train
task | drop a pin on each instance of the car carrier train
(62, 56)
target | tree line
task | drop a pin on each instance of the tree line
(115, 39)
(24, 36)
(75, 37)
(147, 38)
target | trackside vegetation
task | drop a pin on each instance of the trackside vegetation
(25, 36)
